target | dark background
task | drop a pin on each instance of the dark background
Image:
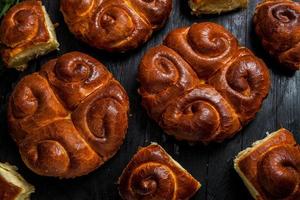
(212, 165)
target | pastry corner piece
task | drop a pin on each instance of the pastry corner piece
(215, 6)
(271, 167)
(26, 32)
(12, 184)
(152, 174)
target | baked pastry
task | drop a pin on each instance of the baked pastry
(152, 174)
(277, 24)
(69, 118)
(215, 6)
(115, 25)
(26, 32)
(200, 85)
(12, 184)
(271, 167)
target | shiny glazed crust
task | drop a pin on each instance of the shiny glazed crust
(26, 32)
(69, 118)
(277, 24)
(200, 85)
(152, 174)
(215, 6)
(115, 25)
(271, 167)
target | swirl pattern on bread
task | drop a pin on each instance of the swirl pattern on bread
(115, 25)
(152, 174)
(200, 85)
(69, 118)
(277, 24)
(271, 167)
(26, 32)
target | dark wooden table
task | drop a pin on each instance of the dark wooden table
(212, 165)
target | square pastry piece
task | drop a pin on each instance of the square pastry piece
(153, 175)
(215, 6)
(271, 167)
(12, 185)
(26, 32)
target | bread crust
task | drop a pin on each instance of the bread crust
(277, 25)
(199, 7)
(153, 174)
(200, 85)
(13, 185)
(69, 118)
(26, 32)
(252, 163)
(115, 25)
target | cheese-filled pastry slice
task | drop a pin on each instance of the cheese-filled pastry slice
(26, 32)
(215, 6)
(153, 174)
(12, 184)
(271, 167)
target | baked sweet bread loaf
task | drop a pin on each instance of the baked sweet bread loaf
(115, 25)
(152, 174)
(277, 24)
(271, 167)
(215, 6)
(200, 85)
(26, 32)
(69, 118)
(12, 184)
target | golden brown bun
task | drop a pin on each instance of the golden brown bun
(201, 86)
(12, 184)
(153, 175)
(69, 118)
(26, 32)
(115, 25)
(277, 24)
(215, 6)
(271, 167)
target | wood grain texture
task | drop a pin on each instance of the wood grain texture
(212, 165)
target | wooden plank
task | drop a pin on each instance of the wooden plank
(211, 165)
